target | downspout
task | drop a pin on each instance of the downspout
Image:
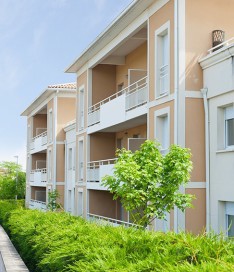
(207, 143)
(176, 83)
(65, 176)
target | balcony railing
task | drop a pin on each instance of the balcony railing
(39, 141)
(36, 204)
(135, 95)
(98, 169)
(111, 221)
(221, 45)
(38, 177)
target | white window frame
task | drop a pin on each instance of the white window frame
(162, 113)
(228, 115)
(50, 122)
(70, 158)
(81, 169)
(81, 108)
(229, 207)
(159, 33)
(80, 202)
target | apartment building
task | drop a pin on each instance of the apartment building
(219, 104)
(141, 79)
(47, 116)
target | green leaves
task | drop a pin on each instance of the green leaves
(148, 183)
(61, 242)
(12, 181)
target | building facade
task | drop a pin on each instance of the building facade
(46, 118)
(142, 79)
(219, 102)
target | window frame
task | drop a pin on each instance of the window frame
(228, 116)
(162, 113)
(159, 33)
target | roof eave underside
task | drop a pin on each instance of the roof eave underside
(119, 24)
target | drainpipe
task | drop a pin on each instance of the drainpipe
(176, 86)
(207, 141)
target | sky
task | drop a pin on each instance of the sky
(39, 40)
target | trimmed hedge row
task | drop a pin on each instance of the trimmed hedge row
(60, 242)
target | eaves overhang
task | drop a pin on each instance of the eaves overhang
(118, 25)
(44, 95)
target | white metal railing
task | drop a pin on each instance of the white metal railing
(93, 167)
(138, 96)
(94, 117)
(163, 79)
(36, 204)
(42, 170)
(223, 44)
(111, 221)
(43, 137)
(38, 176)
(138, 87)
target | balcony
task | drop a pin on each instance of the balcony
(96, 170)
(122, 106)
(110, 221)
(38, 177)
(36, 204)
(39, 142)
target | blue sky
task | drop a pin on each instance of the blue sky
(39, 40)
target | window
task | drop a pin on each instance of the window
(69, 158)
(162, 60)
(230, 219)
(81, 109)
(80, 203)
(50, 126)
(162, 128)
(229, 126)
(81, 160)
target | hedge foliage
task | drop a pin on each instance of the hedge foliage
(60, 242)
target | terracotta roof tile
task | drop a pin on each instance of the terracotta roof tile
(71, 85)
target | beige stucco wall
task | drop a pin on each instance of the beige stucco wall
(137, 59)
(34, 189)
(202, 17)
(102, 146)
(195, 218)
(128, 133)
(166, 13)
(103, 82)
(60, 162)
(152, 124)
(82, 81)
(36, 157)
(60, 189)
(195, 136)
(39, 121)
(102, 203)
(66, 113)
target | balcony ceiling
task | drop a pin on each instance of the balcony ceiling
(117, 57)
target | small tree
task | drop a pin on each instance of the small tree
(148, 183)
(52, 201)
(12, 180)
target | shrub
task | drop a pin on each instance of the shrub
(60, 242)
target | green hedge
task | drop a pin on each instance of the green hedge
(60, 242)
